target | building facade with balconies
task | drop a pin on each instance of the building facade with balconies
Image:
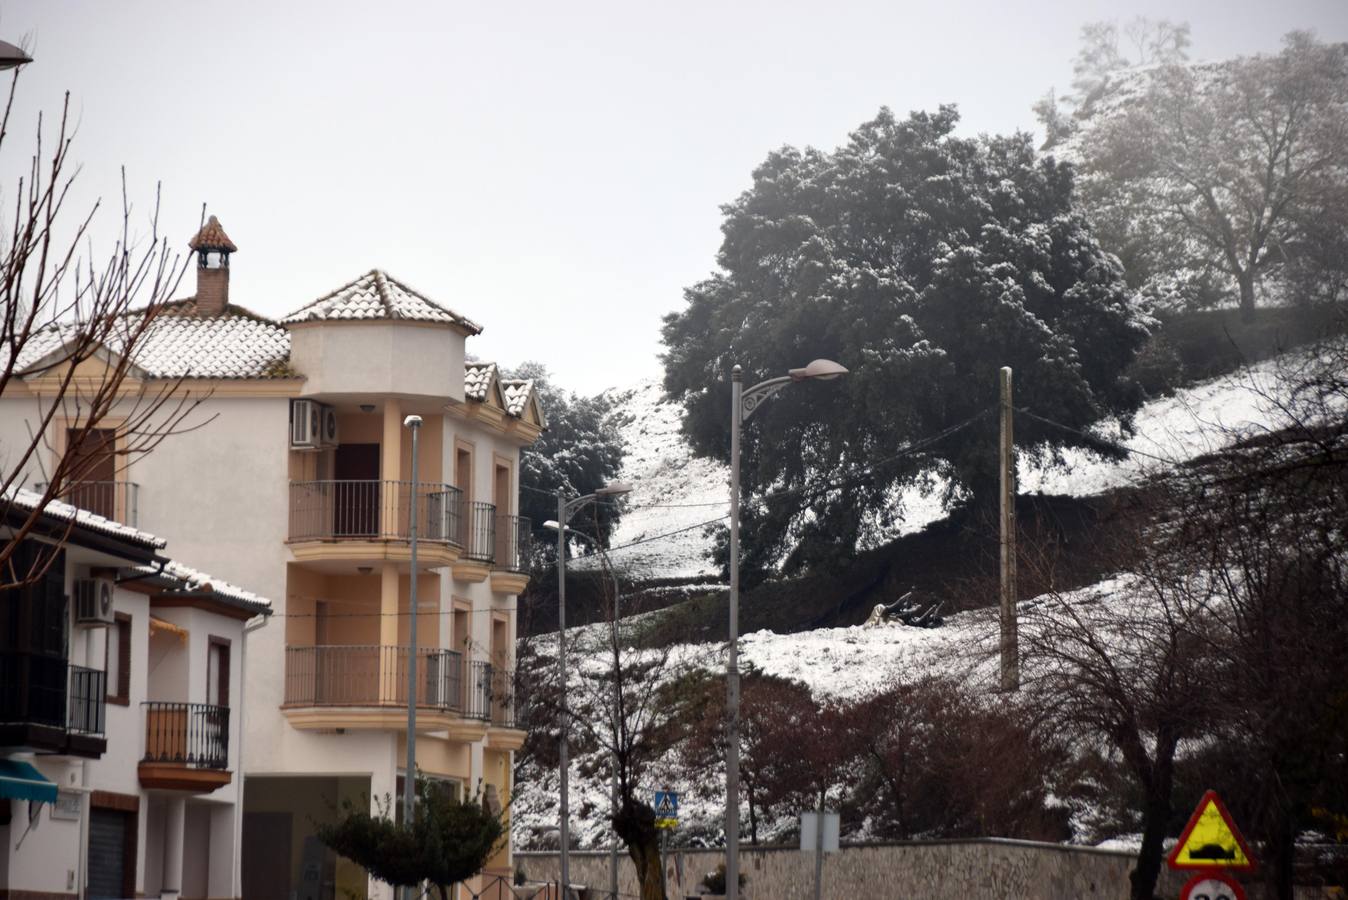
(298, 483)
(120, 686)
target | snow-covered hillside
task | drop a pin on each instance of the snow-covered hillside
(851, 662)
(673, 490)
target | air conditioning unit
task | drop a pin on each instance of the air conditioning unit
(328, 435)
(93, 601)
(305, 424)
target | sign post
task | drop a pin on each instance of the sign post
(666, 817)
(819, 835)
(1212, 844)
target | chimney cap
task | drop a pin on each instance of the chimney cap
(212, 237)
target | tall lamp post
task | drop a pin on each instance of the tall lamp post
(743, 404)
(410, 776)
(565, 510)
(613, 780)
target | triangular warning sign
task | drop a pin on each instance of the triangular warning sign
(1211, 840)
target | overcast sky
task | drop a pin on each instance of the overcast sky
(551, 170)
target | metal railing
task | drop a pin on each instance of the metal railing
(513, 535)
(502, 686)
(347, 509)
(477, 703)
(189, 734)
(46, 690)
(115, 500)
(88, 700)
(477, 532)
(371, 675)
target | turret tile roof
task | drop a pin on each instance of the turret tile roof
(377, 295)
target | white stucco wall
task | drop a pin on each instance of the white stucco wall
(401, 359)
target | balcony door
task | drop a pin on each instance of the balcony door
(356, 490)
(94, 485)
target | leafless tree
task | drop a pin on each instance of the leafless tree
(1126, 668)
(72, 325)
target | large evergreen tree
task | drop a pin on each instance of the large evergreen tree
(578, 453)
(923, 262)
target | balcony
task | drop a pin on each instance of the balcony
(501, 695)
(371, 520)
(115, 500)
(514, 542)
(477, 537)
(50, 706)
(186, 746)
(365, 686)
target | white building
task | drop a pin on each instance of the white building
(120, 691)
(299, 485)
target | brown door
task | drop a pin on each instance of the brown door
(95, 471)
(356, 490)
(266, 856)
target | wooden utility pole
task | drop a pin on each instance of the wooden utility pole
(1007, 461)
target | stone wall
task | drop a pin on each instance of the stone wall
(988, 869)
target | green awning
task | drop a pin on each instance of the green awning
(21, 780)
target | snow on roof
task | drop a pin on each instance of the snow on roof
(516, 392)
(377, 295)
(179, 344)
(173, 574)
(61, 511)
(180, 578)
(477, 378)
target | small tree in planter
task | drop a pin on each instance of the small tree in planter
(448, 841)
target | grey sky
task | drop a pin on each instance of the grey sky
(552, 170)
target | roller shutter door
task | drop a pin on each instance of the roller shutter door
(110, 834)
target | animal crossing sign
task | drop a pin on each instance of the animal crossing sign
(1212, 843)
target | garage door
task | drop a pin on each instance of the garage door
(110, 835)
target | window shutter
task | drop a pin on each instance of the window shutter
(124, 659)
(224, 675)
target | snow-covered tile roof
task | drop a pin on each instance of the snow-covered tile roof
(180, 578)
(377, 295)
(516, 392)
(61, 511)
(173, 575)
(477, 378)
(180, 344)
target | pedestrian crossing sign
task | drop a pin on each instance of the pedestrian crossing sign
(1211, 840)
(666, 809)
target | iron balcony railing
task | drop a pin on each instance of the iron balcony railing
(478, 531)
(373, 510)
(513, 535)
(46, 690)
(372, 675)
(188, 734)
(502, 686)
(115, 500)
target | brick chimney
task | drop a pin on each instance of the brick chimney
(213, 248)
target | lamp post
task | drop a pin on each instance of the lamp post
(565, 510)
(613, 777)
(743, 404)
(410, 776)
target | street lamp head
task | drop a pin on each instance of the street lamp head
(821, 369)
(551, 525)
(11, 56)
(613, 489)
(412, 421)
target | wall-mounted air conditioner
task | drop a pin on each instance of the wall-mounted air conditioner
(328, 435)
(93, 601)
(305, 424)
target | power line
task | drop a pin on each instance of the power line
(1094, 438)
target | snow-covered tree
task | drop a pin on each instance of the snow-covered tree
(923, 262)
(1226, 169)
(579, 452)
